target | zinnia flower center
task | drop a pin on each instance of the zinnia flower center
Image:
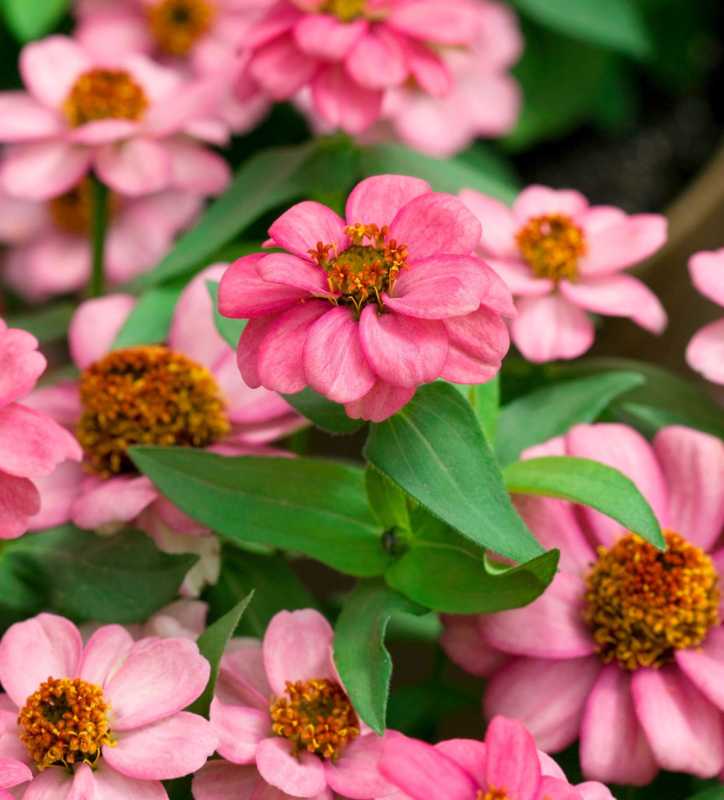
(345, 10)
(552, 245)
(104, 94)
(177, 25)
(493, 794)
(316, 716)
(642, 604)
(65, 722)
(146, 395)
(366, 269)
(71, 212)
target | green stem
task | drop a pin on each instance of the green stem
(99, 223)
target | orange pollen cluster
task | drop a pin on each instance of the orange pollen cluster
(104, 94)
(177, 25)
(643, 604)
(65, 722)
(71, 212)
(345, 10)
(492, 794)
(552, 245)
(366, 269)
(146, 396)
(316, 717)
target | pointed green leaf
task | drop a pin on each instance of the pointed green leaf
(31, 19)
(387, 501)
(325, 414)
(150, 319)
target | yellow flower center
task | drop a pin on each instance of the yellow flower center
(315, 716)
(643, 604)
(492, 794)
(366, 269)
(104, 94)
(65, 722)
(552, 245)
(345, 10)
(71, 212)
(177, 25)
(146, 396)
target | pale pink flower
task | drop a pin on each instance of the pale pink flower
(32, 444)
(366, 310)
(562, 258)
(127, 119)
(182, 619)
(705, 352)
(131, 697)
(505, 765)
(259, 687)
(637, 676)
(50, 250)
(350, 53)
(13, 773)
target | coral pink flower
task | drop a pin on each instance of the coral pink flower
(506, 766)
(128, 731)
(50, 249)
(126, 119)
(350, 53)
(226, 416)
(365, 311)
(596, 653)
(562, 258)
(32, 444)
(705, 352)
(270, 697)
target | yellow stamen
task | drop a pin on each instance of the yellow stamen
(492, 794)
(345, 10)
(104, 94)
(552, 245)
(177, 25)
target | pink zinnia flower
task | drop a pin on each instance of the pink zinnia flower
(506, 766)
(364, 311)
(705, 352)
(32, 444)
(562, 258)
(272, 711)
(125, 119)
(127, 731)
(351, 52)
(50, 250)
(625, 649)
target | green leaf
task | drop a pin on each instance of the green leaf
(31, 19)
(150, 319)
(711, 793)
(590, 483)
(325, 414)
(618, 25)
(229, 329)
(315, 507)
(46, 325)
(212, 643)
(121, 579)
(553, 410)
(434, 450)
(387, 501)
(18, 598)
(485, 400)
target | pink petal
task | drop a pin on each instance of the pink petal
(625, 757)
(478, 342)
(704, 666)
(621, 243)
(550, 627)
(110, 501)
(243, 675)
(707, 274)
(243, 293)
(281, 68)
(435, 223)
(592, 790)
(103, 131)
(173, 747)
(292, 271)
(537, 200)
(31, 651)
(106, 651)
(20, 364)
(138, 166)
(307, 224)
(197, 169)
(19, 501)
(511, 759)
(461, 367)
(53, 783)
(61, 401)
(110, 32)
(549, 328)
(324, 36)
(683, 728)
(377, 200)
(57, 495)
(50, 67)
(302, 776)
(157, 679)
(469, 754)
(356, 774)
(219, 780)
(13, 773)
(21, 220)
(464, 645)
(548, 696)
(618, 296)
(427, 68)
(519, 278)
(247, 355)
(239, 730)
(57, 263)
(42, 170)
(499, 227)
(382, 401)
(377, 61)
(344, 104)
(280, 17)
(111, 785)
(705, 351)
(557, 789)
(434, 21)
(95, 326)
(23, 119)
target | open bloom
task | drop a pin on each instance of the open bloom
(50, 250)
(121, 703)
(627, 639)
(562, 258)
(32, 444)
(284, 720)
(365, 310)
(506, 766)
(705, 352)
(124, 118)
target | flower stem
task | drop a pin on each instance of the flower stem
(99, 223)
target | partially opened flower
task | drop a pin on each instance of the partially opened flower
(285, 721)
(366, 310)
(105, 719)
(12, 773)
(32, 444)
(505, 766)
(182, 619)
(625, 649)
(125, 118)
(705, 352)
(561, 259)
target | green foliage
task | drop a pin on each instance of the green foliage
(325, 414)
(31, 19)
(46, 324)
(387, 501)
(150, 319)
